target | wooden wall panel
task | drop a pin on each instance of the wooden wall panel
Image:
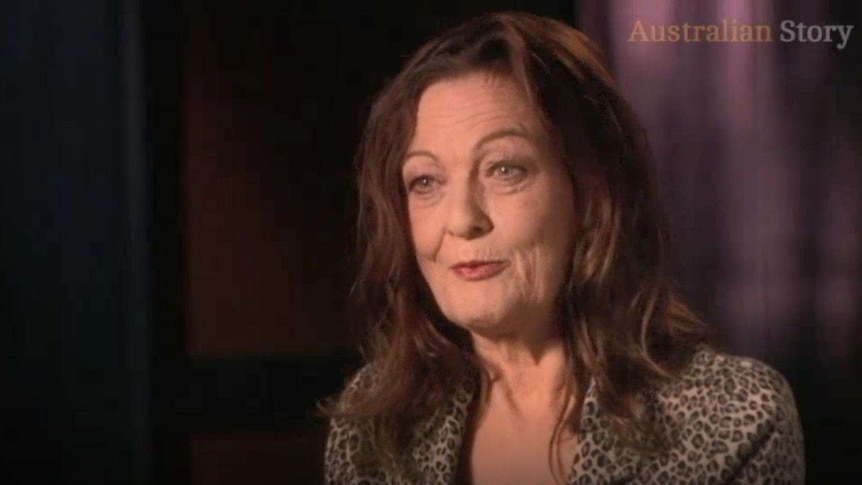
(258, 456)
(267, 170)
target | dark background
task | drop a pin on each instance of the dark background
(176, 206)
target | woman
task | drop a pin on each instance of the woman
(514, 270)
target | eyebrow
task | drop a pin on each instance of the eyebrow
(494, 135)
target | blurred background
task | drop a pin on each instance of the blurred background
(176, 207)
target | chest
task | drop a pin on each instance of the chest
(503, 449)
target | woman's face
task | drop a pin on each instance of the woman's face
(491, 210)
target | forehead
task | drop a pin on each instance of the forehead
(467, 107)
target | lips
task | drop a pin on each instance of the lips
(479, 270)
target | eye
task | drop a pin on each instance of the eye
(422, 184)
(507, 171)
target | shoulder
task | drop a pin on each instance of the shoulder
(733, 416)
(430, 456)
(732, 381)
(362, 380)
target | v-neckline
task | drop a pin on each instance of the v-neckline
(594, 433)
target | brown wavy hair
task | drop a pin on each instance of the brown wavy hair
(625, 325)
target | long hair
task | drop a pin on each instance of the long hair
(625, 326)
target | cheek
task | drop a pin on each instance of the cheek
(425, 234)
(540, 233)
(539, 263)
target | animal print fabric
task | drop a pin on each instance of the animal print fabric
(729, 419)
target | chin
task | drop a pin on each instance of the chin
(486, 323)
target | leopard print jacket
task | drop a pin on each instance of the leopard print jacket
(730, 420)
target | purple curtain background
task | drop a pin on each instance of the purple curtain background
(757, 146)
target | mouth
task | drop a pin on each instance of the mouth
(479, 270)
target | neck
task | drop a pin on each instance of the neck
(525, 370)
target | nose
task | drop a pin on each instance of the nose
(467, 217)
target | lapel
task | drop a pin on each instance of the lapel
(439, 442)
(600, 457)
